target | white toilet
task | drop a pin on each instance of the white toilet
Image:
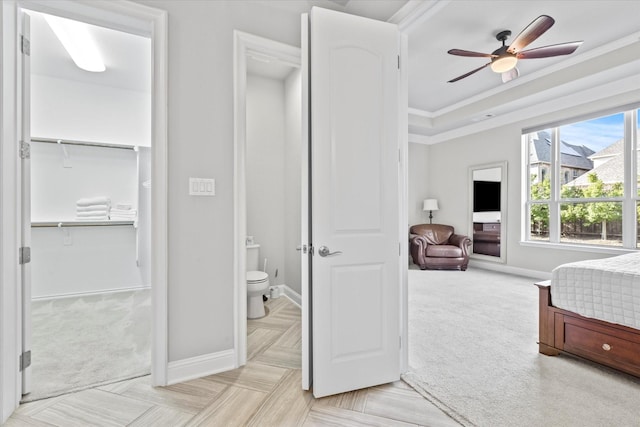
(257, 283)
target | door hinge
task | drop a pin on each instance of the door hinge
(25, 360)
(24, 255)
(399, 249)
(25, 150)
(25, 45)
(398, 62)
(400, 341)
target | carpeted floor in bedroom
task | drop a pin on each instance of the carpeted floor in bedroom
(473, 352)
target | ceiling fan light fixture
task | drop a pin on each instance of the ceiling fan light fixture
(504, 63)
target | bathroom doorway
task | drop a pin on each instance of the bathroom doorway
(90, 210)
(268, 186)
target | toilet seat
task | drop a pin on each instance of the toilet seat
(254, 277)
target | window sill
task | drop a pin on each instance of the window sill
(578, 248)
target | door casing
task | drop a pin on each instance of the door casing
(122, 16)
(242, 43)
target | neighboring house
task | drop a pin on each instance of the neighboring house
(608, 165)
(575, 160)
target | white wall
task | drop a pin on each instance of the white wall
(265, 171)
(418, 183)
(89, 259)
(63, 109)
(448, 182)
(200, 143)
(95, 261)
(293, 112)
(79, 260)
(90, 172)
(273, 173)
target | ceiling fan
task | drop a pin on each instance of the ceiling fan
(505, 58)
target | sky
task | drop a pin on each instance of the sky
(596, 133)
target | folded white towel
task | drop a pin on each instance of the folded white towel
(124, 211)
(101, 200)
(122, 217)
(92, 218)
(92, 208)
(124, 206)
(92, 214)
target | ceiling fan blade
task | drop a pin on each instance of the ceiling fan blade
(468, 74)
(534, 30)
(469, 53)
(549, 51)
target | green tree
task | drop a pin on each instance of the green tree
(540, 212)
(603, 212)
(572, 212)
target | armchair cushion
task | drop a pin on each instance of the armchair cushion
(436, 246)
(444, 251)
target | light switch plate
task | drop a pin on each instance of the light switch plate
(202, 187)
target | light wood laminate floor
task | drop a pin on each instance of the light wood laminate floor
(265, 392)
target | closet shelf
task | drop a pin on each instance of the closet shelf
(107, 223)
(85, 143)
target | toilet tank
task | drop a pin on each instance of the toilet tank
(253, 257)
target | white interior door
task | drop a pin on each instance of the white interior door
(25, 208)
(305, 259)
(355, 195)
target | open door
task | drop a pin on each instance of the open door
(305, 218)
(355, 201)
(25, 196)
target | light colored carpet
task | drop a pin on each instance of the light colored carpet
(473, 352)
(82, 342)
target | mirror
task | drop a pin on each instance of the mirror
(487, 207)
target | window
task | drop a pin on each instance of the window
(582, 185)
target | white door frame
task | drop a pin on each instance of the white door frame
(243, 43)
(403, 138)
(123, 16)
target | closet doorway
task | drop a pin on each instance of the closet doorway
(90, 208)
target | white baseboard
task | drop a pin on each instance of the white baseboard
(291, 294)
(200, 366)
(86, 294)
(501, 268)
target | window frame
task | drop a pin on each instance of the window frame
(630, 199)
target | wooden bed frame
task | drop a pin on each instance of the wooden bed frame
(609, 344)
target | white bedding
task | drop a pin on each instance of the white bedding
(606, 289)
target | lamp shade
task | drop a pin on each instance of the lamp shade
(430, 205)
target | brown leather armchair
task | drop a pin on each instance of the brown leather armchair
(437, 247)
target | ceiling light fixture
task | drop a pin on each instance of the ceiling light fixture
(504, 63)
(77, 40)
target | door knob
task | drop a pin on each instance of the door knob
(325, 251)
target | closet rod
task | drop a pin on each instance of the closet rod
(80, 223)
(85, 143)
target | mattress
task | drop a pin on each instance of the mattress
(605, 289)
